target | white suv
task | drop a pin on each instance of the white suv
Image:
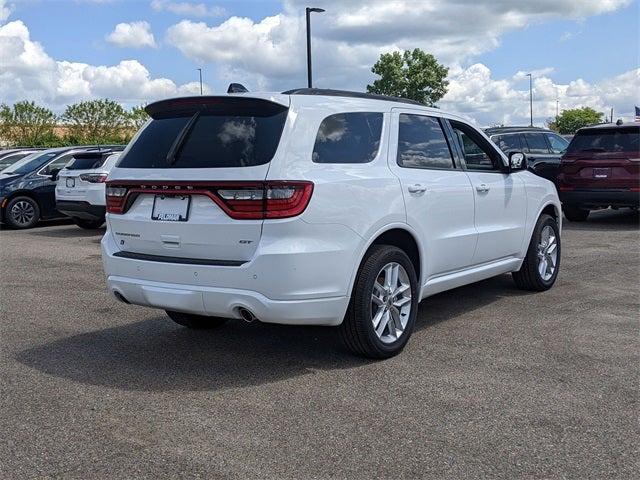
(319, 207)
(80, 187)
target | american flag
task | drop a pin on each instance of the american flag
(637, 114)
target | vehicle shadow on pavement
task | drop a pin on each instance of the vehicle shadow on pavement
(607, 220)
(72, 232)
(156, 355)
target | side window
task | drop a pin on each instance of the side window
(476, 150)
(58, 163)
(536, 143)
(509, 143)
(557, 143)
(348, 138)
(422, 143)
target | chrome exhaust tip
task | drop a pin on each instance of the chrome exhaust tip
(246, 315)
(120, 297)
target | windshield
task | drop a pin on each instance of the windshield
(29, 163)
(625, 139)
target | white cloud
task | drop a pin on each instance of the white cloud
(5, 10)
(27, 72)
(188, 9)
(133, 35)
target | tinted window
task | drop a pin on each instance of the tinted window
(557, 143)
(11, 159)
(213, 140)
(422, 144)
(348, 138)
(88, 163)
(29, 163)
(477, 152)
(536, 143)
(57, 164)
(625, 139)
(509, 143)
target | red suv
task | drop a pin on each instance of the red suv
(600, 169)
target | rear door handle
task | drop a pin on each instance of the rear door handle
(417, 188)
(482, 188)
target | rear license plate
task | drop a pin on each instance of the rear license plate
(71, 182)
(171, 208)
(601, 172)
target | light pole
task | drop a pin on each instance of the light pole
(530, 97)
(200, 71)
(308, 11)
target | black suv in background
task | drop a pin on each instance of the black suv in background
(542, 147)
(27, 188)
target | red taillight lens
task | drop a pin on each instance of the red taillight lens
(94, 177)
(239, 200)
(116, 197)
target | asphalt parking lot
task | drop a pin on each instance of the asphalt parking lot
(495, 382)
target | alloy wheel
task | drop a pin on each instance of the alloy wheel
(390, 302)
(22, 212)
(547, 253)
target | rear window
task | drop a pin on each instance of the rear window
(348, 138)
(221, 136)
(606, 140)
(88, 163)
(508, 143)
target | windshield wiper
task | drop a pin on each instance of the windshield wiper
(177, 143)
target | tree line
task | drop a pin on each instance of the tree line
(84, 123)
(412, 74)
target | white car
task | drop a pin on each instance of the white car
(319, 207)
(80, 187)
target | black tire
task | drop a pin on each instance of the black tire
(357, 331)
(89, 224)
(575, 214)
(529, 277)
(196, 322)
(22, 212)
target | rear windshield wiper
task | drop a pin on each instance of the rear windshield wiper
(177, 143)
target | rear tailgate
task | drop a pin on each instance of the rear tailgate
(164, 196)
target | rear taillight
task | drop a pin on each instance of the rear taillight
(94, 177)
(239, 200)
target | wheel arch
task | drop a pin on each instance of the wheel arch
(21, 193)
(398, 235)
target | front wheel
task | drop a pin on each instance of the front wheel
(383, 306)
(196, 322)
(22, 212)
(542, 263)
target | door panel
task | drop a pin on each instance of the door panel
(500, 198)
(439, 200)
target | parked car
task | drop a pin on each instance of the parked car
(542, 147)
(80, 190)
(319, 207)
(601, 169)
(27, 188)
(11, 156)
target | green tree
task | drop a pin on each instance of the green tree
(96, 121)
(28, 124)
(412, 74)
(571, 120)
(137, 117)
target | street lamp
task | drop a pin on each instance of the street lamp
(530, 97)
(200, 71)
(308, 11)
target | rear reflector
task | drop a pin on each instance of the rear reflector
(239, 200)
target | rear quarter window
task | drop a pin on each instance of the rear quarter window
(348, 138)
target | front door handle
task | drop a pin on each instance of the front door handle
(482, 188)
(417, 188)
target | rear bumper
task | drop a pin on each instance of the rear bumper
(82, 210)
(227, 302)
(600, 198)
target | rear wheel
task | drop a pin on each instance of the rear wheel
(89, 224)
(22, 212)
(575, 214)
(384, 304)
(197, 322)
(542, 263)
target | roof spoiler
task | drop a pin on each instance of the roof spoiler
(232, 105)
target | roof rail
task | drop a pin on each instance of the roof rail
(346, 93)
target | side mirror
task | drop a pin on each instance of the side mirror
(54, 174)
(517, 161)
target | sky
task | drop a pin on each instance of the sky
(580, 52)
